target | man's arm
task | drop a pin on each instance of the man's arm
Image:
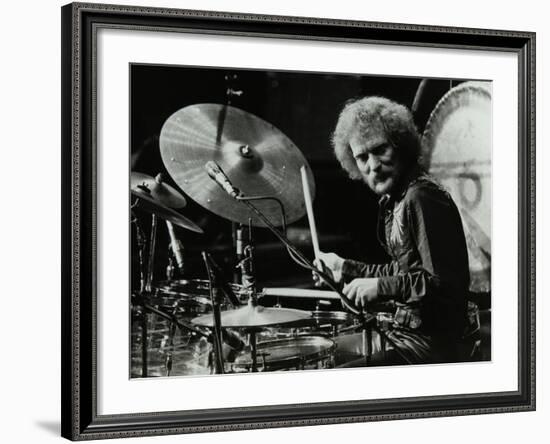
(354, 269)
(345, 270)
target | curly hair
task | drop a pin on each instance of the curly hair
(370, 112)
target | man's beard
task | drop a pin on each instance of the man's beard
(383, 184)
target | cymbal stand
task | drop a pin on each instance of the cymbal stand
(171, 334)
(248, 280)
(246, 262)
(253, 350)
(142, 284)
(217, 329)
(140, 237)
(152, 248)
(237, 235)
(146, 287)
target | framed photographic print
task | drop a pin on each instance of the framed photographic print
(280, 221)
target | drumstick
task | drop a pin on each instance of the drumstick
(310, 216)
(305, 293)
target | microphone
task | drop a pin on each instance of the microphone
(216, 173)
(176, 245)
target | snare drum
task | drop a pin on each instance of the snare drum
(322, 323)
(300, 353)
(333, 322)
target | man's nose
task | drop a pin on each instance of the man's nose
(373, 163)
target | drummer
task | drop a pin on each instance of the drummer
(419, 226)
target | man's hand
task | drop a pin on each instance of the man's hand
(361, 291)
(329, 263)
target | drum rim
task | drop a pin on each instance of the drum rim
(332, 315)
(158, 299)
(201, 284)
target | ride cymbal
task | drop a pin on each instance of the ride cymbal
(257, 158)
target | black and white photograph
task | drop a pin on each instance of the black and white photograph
(275, 222)
(300, 221)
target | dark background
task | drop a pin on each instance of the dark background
(304, 106)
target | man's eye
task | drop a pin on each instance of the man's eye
(379, 150)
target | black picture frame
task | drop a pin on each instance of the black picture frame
(80, 420)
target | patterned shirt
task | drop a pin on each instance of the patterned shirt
(428, 276)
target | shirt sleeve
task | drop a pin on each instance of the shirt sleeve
(354, 269)
(438, 256)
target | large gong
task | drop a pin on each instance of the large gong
(457, 145)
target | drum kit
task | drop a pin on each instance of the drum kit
(245, 170)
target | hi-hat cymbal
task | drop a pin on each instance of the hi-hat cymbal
(159, 190)
(254, 316)
(151, 205)
(258, 159)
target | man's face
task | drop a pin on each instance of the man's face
(377, 160)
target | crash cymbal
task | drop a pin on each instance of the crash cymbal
(257, 158)
(159, 190)
(254, 316)
(151, 205)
